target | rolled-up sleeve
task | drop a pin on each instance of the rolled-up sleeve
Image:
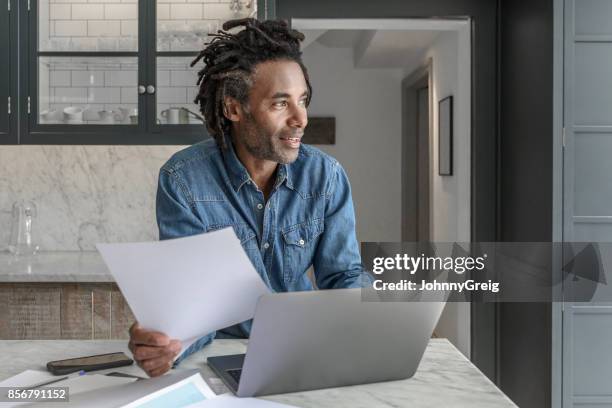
(337, 262)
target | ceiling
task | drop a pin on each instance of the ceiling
(377, 48)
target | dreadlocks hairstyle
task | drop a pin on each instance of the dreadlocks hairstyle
(229, 60)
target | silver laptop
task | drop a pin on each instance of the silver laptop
(329, 338)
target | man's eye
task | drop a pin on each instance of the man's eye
(303, 102)
(280, 104)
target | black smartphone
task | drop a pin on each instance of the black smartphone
(90, 363)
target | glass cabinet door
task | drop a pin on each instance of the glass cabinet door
(182, 29)
(87, 63)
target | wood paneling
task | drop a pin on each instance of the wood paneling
(34, 312)
(121, 315)
(63, 311)
(101, 311)
(76, 312)
(5, 294)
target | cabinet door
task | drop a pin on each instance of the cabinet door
(181, 30)
(587, 326)
(82, 72)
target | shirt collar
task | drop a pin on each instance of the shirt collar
(239, 175)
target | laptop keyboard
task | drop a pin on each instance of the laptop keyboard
(235, 374)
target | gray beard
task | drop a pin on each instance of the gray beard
(258, 144)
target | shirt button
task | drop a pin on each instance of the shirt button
(266, 245)
(259, 206)
(301, 242)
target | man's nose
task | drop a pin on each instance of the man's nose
(299, 117)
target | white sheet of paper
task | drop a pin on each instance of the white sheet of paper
(90, 382)
(184, 393)
(231, 401)
(186, 287)
(75, 383)
(24, 379)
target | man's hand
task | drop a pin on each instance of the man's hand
(153, 351)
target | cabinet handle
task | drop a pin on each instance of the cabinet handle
(150, 89)
(141, 89)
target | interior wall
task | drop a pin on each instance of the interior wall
(450, 204)
(367, 106)
(450, 195)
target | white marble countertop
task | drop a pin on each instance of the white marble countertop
(54, 266)
(445, 378)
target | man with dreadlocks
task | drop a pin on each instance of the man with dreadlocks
(290, 204)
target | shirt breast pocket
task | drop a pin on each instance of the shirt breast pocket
(299, 246)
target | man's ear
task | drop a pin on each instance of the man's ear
(232, 109)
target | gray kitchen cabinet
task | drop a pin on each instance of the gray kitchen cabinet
(587, 192)
(104, 72)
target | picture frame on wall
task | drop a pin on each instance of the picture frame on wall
(445, 136)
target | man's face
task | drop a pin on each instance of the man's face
(273, 124)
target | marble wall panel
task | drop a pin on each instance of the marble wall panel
(84, 194)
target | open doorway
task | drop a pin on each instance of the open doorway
(416, 170)
(359, 69)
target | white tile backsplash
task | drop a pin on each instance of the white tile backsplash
(70, 28)
(171, 95)
(183, 78)
(121, 78)
(60, 12)
(103, 28)
(219, 11)
(129, 28)
(59, 78)
(186, 11)
(163, 11)
(88, 78)
(121, 11)
(129, 95)
(69, 95)
(163, 78)
(104, 95)
(88, 11)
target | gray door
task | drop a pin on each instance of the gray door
(587, 202)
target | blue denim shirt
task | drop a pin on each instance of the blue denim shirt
(307, 220)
